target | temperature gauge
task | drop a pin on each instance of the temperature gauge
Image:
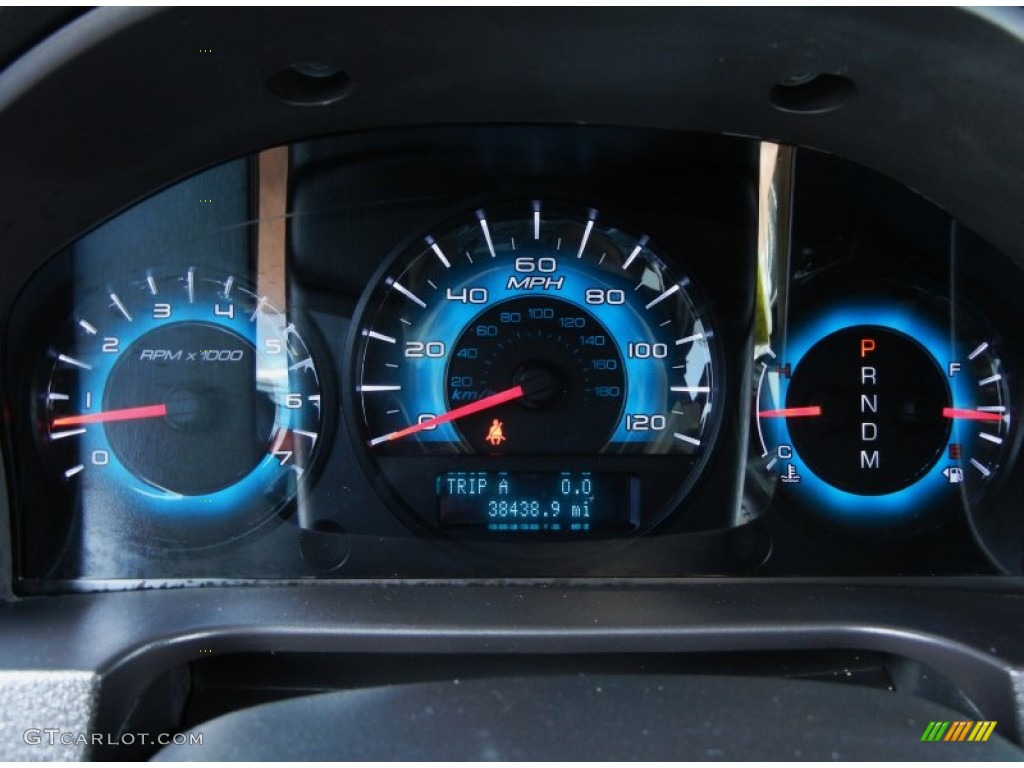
(878, 423)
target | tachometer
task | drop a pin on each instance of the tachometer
(185, 405)
(531, 345)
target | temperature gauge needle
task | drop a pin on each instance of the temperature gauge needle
(457, 413)
(964, 413)
(123, 414)
(791, 413)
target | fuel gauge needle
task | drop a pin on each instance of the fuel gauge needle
(483, 404)
(123, 414)
(965, 413)
(791, 413)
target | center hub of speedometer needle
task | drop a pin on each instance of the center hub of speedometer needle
(543, 383)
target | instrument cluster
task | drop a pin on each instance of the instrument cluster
(473, 352)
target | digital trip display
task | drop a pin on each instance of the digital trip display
(545, 502)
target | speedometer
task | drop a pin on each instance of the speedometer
(522, 350)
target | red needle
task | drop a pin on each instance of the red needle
(791, 413)
(475, 407)
(124, 414)
(964, 413)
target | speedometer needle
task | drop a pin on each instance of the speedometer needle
(123, 414)
(964, 413)
(476, 406)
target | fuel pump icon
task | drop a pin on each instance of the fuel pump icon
(955, 475)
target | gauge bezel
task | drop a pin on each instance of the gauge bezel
(561, 546)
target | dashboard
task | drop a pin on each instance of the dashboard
(572, 370)
(358, 376)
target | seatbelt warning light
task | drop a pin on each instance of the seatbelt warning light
(496, 433)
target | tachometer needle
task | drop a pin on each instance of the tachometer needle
(123, 414)
(791, 413)
(456, 413)
(965, 413)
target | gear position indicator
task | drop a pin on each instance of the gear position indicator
(870, 419)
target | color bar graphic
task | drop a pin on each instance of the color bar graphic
(959, 730)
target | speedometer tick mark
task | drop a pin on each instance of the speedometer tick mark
(641, 244)
(665, 295)
(74, 470)
(586, 235)
(152, 284)
(190, 283)
(440, 255)
(408, 294)
(66, 433)
(487, 233)
(686, 438)
(379, 336)
(88, 327)
(687, 339)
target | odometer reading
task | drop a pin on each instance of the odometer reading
(537, 502)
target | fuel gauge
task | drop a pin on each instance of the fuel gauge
(878, 423)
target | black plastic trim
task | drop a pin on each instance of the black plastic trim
(969, 635)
